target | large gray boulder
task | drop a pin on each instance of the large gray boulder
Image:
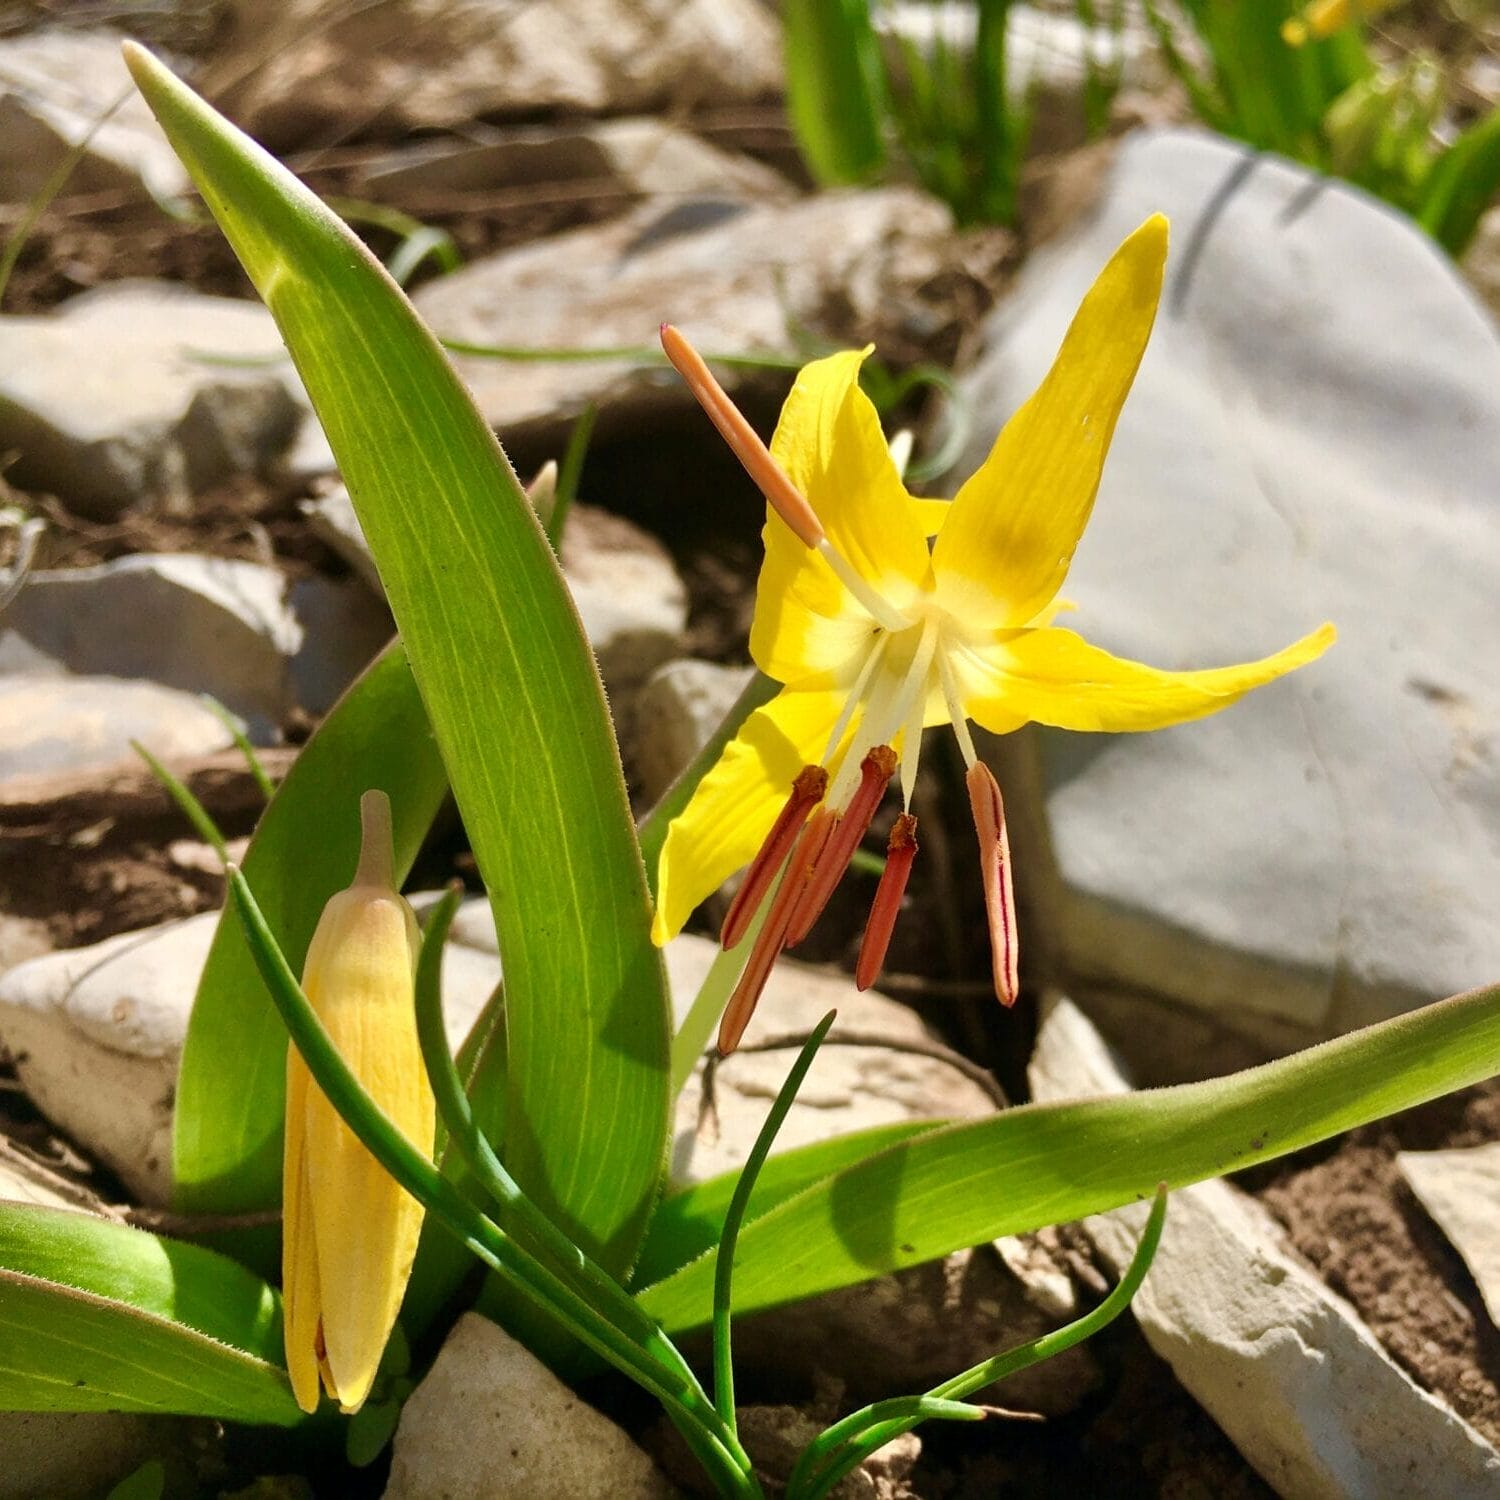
(1314, 434)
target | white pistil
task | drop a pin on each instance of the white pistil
(856, 695)
(956, 714)
(881, 610)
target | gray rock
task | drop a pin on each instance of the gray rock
(633, 604)
(74, 1455)
(55, 87)
(1285, 1367)
(641, 156)
(1314, 434)
(491, 1422)
(142, 393)
(289, 69)
(96, 1034)
(199, 624)
(679, 708)
(735, 276)
(62, 723)
(1461, 1190)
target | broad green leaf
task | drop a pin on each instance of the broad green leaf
(1049, 1164)
(95, 1316)
(687, 1222)
(1462, 185)
(232, 1081)
(506, 676)
(834, 91)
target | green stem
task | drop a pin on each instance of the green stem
(683, 1398)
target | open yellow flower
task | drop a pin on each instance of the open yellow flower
(1323, 18)
(349, 1232)
(877, 634)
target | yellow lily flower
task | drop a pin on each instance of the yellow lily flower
(1324, 17)
(877, 635)
(349, 1232)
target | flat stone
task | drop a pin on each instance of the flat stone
(629, 596)
(141, 393)
(1313, 434)
(96, 1034)
(1285, 1367)
(491, 1422)
(224, 626)
(289, 69)
(63, 723)
(68, 1455)
(55, 87)
(640, 156)
(680, 706)
(1461, 1190)
(734, 276)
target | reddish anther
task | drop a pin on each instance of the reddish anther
(999, 899)
(807, 792)
(772, 939)
(771, 479)
(900, 851)
(875, 772)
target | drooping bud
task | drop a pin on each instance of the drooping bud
(875, 772)
(994, 862)
(807, 792)
(349, 1231)
(900, 851)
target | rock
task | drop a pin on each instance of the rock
(55, 87)
(62, 723)
(490, 1422)
(679, 708)
(96, 1034)
(774, 1437)
(642, 157)
(633, 604)
(292, 69)
(198, 624)
(1461, 1190)
(1285, 1367)
(735, 276)
(142, 393)
(73, 1455)
(1312, 435)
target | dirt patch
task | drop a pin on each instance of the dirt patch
(1349, 1211)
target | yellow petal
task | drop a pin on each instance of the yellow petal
(300, 1305)
(730, 814)
(359, 980)
(1055, 677)
(1010, 536)
(808, 627)
(1324, 17)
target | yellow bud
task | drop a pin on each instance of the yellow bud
(349, 1232)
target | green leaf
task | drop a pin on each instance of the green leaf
(1462, 185)
(100, 1317)
(834, 90)
(1049, 1164)
(231, 1085)
(506, 676)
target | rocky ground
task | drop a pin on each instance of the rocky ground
(1314, 434)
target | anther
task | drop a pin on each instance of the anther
(900, 851)
(781, 494)
(994, 861)
(807, 791)
(772, 939)
(875, 772)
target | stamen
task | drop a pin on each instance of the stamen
(807, 791)
(849, 827)
(994, 861)
(772, 939)
(744, 442)
(899, 854)
(880, 609)
(956, 715)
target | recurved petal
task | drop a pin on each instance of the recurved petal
(1010, 536)
(1056, 677)
(735, 805)
(830, 444)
